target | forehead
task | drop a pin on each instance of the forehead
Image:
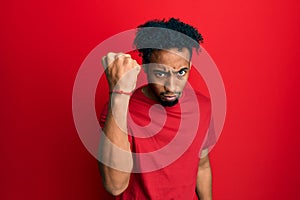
(171, 57)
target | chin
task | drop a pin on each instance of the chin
(168, 103)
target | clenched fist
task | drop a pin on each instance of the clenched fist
(121, 71)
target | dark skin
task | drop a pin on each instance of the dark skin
(166, 81)
(168, 76)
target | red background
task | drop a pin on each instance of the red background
(43, 43)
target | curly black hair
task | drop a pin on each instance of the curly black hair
(163, 34)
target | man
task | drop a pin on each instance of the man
(166, 55)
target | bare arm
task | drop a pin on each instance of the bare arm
(204, 179)
(116, 178)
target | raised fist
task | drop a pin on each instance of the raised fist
(121, 71)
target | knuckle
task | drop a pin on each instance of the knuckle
(109, 54)
(110, 57)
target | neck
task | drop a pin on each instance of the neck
(148, 93)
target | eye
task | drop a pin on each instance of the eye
(160, 74)
(181, 73)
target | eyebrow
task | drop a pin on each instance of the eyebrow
(164, 69)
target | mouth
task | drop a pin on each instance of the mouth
(169, 97)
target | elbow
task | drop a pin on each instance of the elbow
(116, 189)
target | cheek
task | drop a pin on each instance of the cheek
(182, 82)
(157, 87)
(153, 80)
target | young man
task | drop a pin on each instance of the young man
(137, 126)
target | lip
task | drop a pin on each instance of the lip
(170, 98)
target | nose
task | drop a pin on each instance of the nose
(170, 84)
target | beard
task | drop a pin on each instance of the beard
(160, 98)
(168, 103)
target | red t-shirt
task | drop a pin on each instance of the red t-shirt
(166, 143)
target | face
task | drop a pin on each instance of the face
(167, 75)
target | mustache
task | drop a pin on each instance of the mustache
(169, 93)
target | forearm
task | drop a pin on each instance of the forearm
(115, 154)
(204, 181)
(115, 147)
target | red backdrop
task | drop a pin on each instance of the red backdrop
(43, 43)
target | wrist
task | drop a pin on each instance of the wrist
(120, 92)
(119, 99)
